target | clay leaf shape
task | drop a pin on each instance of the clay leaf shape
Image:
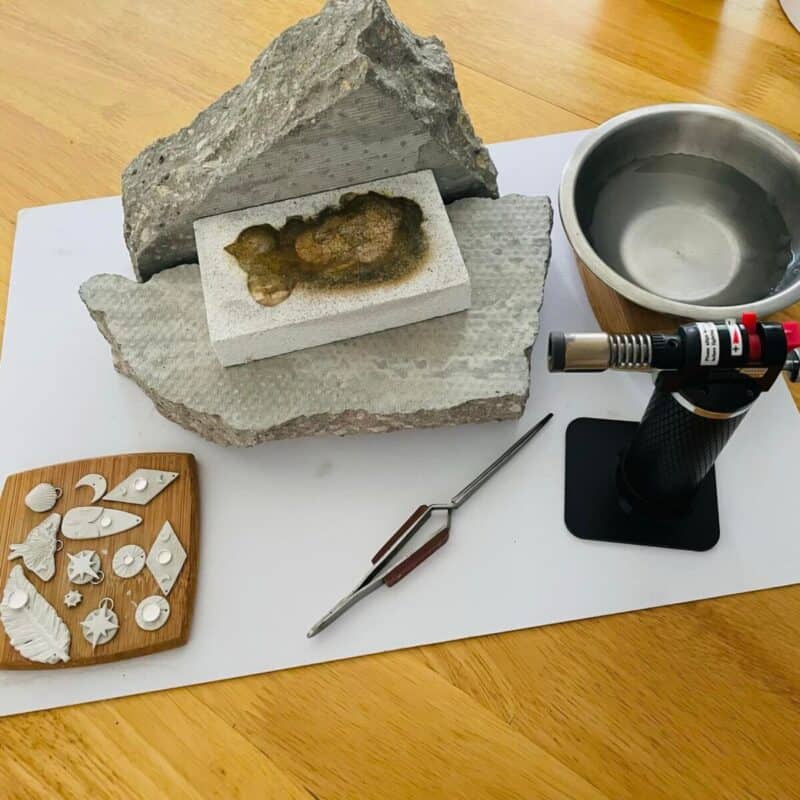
(92, 522)
(38, 550)
(35, 630)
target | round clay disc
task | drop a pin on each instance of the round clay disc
(128, 561)
(152, 613)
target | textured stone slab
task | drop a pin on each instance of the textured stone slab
(466, 367)
(344, 97)
(243, 330)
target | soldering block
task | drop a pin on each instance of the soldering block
(369, 257)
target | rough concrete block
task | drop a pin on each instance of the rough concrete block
(347, 96)
(329, 266)
(468, 367)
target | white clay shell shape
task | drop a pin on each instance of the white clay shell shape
(97, 483)
(42, 497)
(128, 561)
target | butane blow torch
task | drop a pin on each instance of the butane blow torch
(708, 376)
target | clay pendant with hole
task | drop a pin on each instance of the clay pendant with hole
(84, 567)
(166, 558)
(39, 548)
(93, 522)
(128, 561)
(141, 486)
(101, 625)
(152, 613)
(97, 483)
(42, 497)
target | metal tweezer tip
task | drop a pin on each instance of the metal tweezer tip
(318, 626)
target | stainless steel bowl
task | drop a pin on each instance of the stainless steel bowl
(690, 210)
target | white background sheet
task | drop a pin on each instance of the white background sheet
(288, 527)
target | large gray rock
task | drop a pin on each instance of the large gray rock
(466, 367)
(347, 96)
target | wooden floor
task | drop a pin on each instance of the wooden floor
(701, 700)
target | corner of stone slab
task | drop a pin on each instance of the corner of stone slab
(86, 286)
(546, 201)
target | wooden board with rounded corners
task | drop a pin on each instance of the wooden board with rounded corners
(178, 504)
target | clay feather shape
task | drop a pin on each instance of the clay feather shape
(38, 550)
(92, 522)
(35, 630)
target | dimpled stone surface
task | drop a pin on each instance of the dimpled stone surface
(467, 367)
(347, 96)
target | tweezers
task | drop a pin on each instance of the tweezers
(381, 561)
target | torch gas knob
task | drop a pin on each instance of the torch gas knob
(792, 367)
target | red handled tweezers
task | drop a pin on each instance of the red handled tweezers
(381, 561)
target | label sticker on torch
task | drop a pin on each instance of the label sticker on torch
(736, 337)
(709, 344)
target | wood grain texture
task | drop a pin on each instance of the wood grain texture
(178, 504)
(696, 701)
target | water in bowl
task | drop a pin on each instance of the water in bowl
(692, 229)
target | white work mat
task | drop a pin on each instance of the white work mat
(289, 527)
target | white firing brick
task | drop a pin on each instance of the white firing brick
(242, 330)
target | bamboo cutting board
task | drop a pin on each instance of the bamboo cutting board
(177, 503)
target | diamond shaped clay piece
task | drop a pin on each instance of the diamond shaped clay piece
(141, 486)
(166, 558)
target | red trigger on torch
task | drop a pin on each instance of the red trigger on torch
(750, 322)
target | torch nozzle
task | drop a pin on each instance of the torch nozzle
(595, 352)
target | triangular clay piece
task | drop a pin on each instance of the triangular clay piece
(347, 96)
